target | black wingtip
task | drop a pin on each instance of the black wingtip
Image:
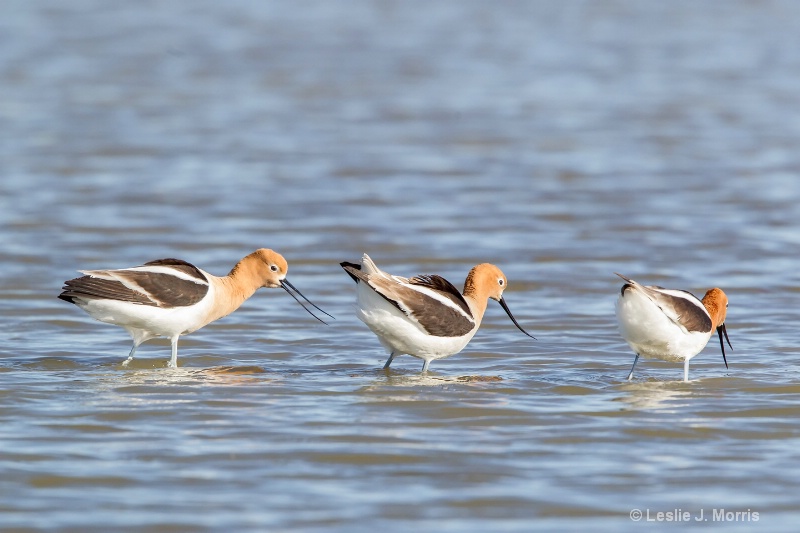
(628, 284)
(66, 297)
(347, 266)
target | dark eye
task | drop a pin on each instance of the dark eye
(500, 282)
(274, 268)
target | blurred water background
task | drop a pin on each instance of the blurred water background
(562, 141)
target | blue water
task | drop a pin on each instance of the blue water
(562, 141)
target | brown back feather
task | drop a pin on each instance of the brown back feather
(432, 316)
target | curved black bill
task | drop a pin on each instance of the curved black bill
(720, 330)
(514, 320)
(289, 288)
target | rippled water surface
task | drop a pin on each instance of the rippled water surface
(562, 141)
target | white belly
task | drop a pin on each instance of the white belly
(401, 335)
(650, 333)
(157, 321)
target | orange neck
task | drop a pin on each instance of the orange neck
(233, 290)
(476, 294)
(715, 303)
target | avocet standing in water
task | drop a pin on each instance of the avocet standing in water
(170, 297)
(667, 324)
(425, 316)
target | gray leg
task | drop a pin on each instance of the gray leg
(389, 361)
(130, 355)
(173, 362)
(630, 376)
(686, 371)
(425, 365)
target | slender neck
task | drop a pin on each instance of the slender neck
(232, 290)
(476, 298)
(711, 302)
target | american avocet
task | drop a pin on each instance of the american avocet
(425, 316)
(670, 324)
(170, 297)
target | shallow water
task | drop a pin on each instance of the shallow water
(563, 141)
